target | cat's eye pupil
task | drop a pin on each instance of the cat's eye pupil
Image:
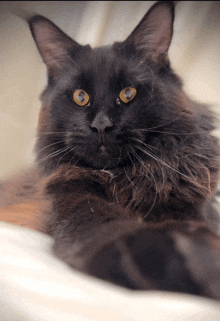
(128, 94)
(81, 96)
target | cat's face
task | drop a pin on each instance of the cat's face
(98, 125)
(104, 106)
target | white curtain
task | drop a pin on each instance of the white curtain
(194, 54)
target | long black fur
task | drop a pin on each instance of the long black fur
(129, 183)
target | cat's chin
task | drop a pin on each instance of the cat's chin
(101, 163)
(105, 162)
(102, 158)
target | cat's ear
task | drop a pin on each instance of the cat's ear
(151, 39)
(55, 47)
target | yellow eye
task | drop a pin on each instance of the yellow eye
(127, 94)
(80, 97)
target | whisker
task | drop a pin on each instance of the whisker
(52, 133)
(144, 144)
(169, 122)
(73, 149)
(155, 183)
(179, 157)
(69, 151)
(194, 154)
(188, 177)
(128, 177)
(60, 141)
(173, 133)
(54, 154)
(160, 161)
(131, 159)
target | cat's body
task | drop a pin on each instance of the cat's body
(127, 161)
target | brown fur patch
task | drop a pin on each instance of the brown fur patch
(43, 120)
(21, 202)
(26, 214)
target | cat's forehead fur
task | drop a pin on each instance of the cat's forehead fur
(102, 71)
(148, 43)
(103, 65)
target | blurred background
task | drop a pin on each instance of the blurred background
(194, 55)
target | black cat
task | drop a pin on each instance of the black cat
(128, 161)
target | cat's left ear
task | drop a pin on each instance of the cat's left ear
(151, 39)
(55, 47)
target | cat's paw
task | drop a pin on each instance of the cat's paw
(147, 260)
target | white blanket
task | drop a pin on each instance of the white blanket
(36, 286)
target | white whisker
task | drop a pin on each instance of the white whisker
(160, 161)
(54, 154)
(163, 124)
(173, 133)
(52, 133)
(69, 151)
(59, 142)
(128, 177)
(155, 183)
(144, 144)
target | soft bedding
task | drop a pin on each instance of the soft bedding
(35, 285)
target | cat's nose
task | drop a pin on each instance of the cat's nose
(101, 123)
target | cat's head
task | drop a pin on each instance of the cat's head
(103, 106)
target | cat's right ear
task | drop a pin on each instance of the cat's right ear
(55, 47)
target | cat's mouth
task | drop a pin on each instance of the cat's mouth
(104, 158)
(109, 153)
(101, 164)
(103, 151)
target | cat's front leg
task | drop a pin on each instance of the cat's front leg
(168, 256)
(97, 236)
(80, 215)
